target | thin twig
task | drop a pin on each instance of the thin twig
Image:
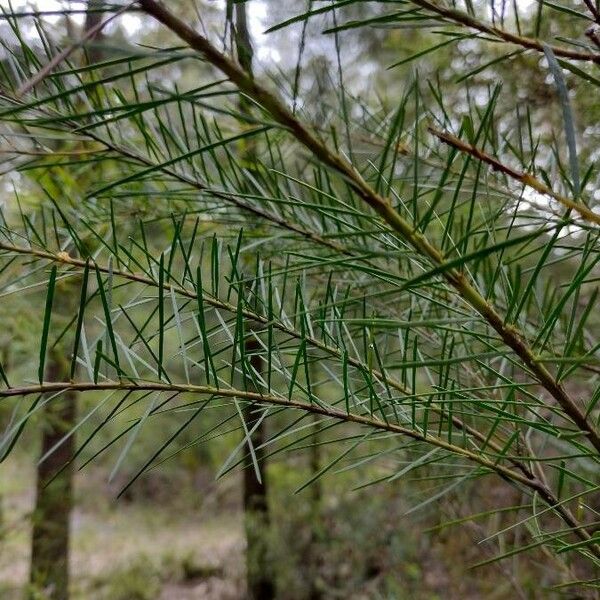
(51, 152)
(48, 68)
(467, 20)
(65, 12)
(592, 8)
(593, 32)
(524, 178)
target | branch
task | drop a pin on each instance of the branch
(593, 9)
(49, 67)
(467, 20)
(65, 259)
(534, 484)
(524, 178)
(593, 32)
(382, 206)
(226, 196)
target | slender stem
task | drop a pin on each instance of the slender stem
(593, 9)
(226, 196)
(593, 33)
(381, 205)
(61, 56)
(524, 178)
(66, 259)
(534, 484)
(462, 18)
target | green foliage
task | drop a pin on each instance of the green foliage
(435, 318)
(138, 581)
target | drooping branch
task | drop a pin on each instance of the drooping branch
(533, 484)
(224, 195)
(381, 205)
(63, 258)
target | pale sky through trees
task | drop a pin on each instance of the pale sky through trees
(257, 13)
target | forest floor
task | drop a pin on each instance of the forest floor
(178, 535)
(125, 550)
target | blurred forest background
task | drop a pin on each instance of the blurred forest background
(157, 496)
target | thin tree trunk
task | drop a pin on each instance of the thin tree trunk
(260, 584)
(49, 573)
(314, 556)
(94, 52)
(50, 541)
(256, 510)
(49, 567)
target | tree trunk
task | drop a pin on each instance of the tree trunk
(314, 556)
(256, 510)
(49, 567)
(260, 584)
(54, 493)
(94, 53)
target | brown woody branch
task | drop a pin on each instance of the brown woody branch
(524, 178)
(533, 484)
(593, 9)
(462, 18)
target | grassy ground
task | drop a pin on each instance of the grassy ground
(126, 550)
(180, 538)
